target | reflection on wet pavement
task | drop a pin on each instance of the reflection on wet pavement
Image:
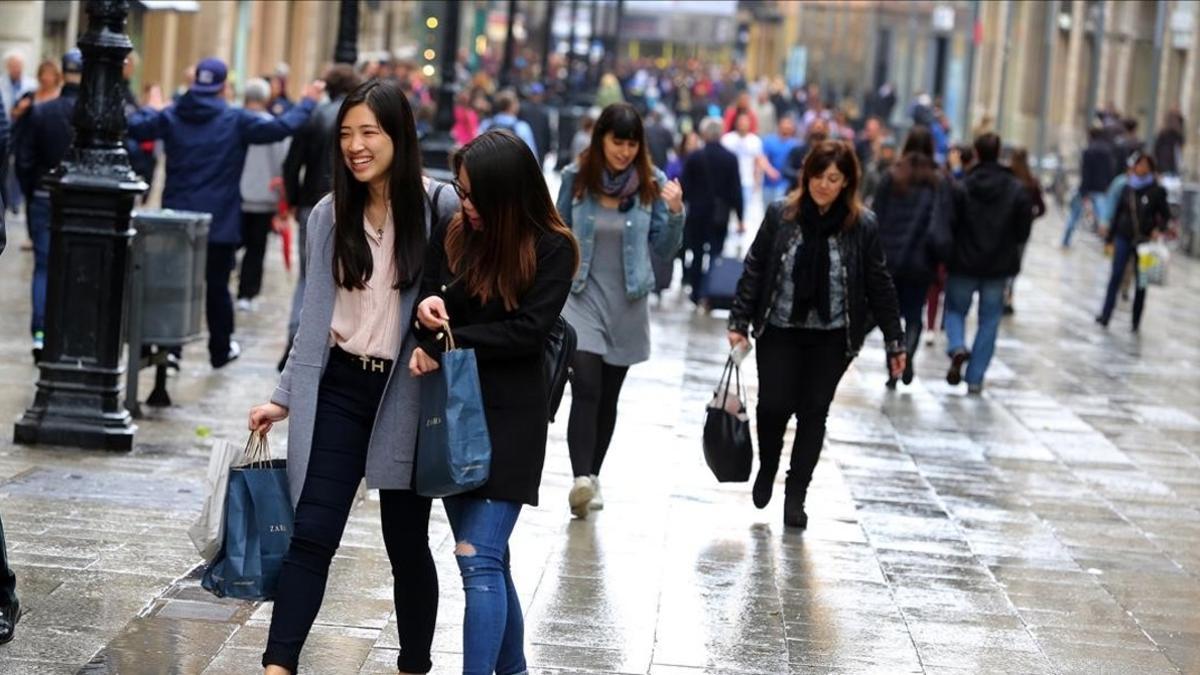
(1051, 525)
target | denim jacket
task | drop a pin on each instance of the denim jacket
(645, 227)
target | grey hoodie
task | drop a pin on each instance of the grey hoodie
(263, 164)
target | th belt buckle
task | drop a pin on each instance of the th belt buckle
(373, 365)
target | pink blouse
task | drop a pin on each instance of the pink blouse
(366, 322)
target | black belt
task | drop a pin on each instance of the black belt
(367, 364)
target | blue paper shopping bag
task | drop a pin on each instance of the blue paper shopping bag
(258, 530)
(454, 451)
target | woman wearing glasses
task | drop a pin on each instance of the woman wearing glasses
(497, 277)
(621, 208)
(352, 413)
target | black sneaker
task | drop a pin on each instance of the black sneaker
(957, 359)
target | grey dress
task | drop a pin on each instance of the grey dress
(606, 321)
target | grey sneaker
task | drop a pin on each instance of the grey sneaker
(597, 503)
(581, 496)
(975, 389)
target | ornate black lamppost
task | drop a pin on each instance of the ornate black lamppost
(346, 50)
(78, 398)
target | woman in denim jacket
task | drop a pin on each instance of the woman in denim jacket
(620, 208)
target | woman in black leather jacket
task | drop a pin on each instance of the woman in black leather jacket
(810, 308)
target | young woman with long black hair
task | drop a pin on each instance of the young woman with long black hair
(621, 208)
(352, 413)
(814, 273)
(496, 277)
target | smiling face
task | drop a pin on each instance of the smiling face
(619, 153)
(366, 149)
(826, 186)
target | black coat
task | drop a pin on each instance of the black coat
(905, 223)
(870, 295)
(509, 348)
(659, 141)
(712, 187)
(311, 151)
(535, 115)
(46, 137)
(1152, 212)
(1097, 167)
(993, 222)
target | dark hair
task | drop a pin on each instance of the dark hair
(820, 157)
(987, 147)
(623, 122)
(352, 263)
(506, 101)
(510, 196)
(1130, 124)
(966, 154)
(1140, 155)
(340, 80)
(916, 164)
(1018, 162)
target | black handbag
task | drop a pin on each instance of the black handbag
(728, 447)
(560, 350)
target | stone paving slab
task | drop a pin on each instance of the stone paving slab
(1051, 525)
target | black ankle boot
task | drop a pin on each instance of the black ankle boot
(793, 506)
(764, 483)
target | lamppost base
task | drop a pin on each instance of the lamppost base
(112, 431)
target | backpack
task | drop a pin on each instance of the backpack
(559, 352)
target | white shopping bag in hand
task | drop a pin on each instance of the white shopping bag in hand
(208, 531)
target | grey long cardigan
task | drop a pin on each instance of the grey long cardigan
(392, 446)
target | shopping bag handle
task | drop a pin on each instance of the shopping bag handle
(447, 337)
(258, 450)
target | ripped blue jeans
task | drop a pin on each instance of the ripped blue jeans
(493, 629)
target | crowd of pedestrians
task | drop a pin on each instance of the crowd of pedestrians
(860, 232)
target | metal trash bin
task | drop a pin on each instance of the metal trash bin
(167, 291)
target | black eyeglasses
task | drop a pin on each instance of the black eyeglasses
(463, 195)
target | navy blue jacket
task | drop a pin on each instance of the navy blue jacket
(47, 136)
(206, 143)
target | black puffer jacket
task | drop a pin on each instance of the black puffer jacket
(1140, 212)
(905, 223)
(993, 225)
(869, 289)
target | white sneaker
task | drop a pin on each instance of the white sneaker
(597, 502)
(245, 305)
(580, 496)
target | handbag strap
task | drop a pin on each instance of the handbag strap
(447, 337)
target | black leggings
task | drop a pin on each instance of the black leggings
(595, 388)
(346, 404)
(256, 228)
(798, 374)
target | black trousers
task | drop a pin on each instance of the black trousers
(256, 228)
(346, 404)
(218, 306)
(8, 580)
(595, 389)
(701, 240)
(798, 374)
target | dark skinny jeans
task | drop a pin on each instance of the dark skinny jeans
(798, 373)
(346, 403)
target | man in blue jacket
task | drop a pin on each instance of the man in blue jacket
(41, 147)
(205, 142)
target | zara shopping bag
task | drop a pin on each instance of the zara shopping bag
(454, 451)
(258, 527)
(728, 448)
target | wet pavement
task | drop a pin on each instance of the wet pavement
(1050, 525)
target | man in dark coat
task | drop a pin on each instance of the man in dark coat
(659, 140)
(533, 112)
(711, 188)
(44, 142)
(306, 172)
(995, 216)
(1097, 168)
(205, 142)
